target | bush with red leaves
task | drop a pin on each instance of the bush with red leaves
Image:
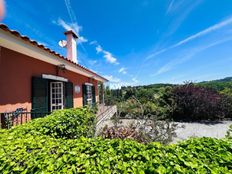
(194, 103)
(122, 133)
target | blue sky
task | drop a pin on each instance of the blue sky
(135, 42)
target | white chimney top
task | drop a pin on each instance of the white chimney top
(71, 46)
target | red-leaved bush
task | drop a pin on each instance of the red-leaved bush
(195, 103)
(121, 133)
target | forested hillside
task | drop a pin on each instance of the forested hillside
(190, 101)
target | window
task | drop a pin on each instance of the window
(89, 95)
(56, 95)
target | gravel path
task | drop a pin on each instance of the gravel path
(215, 130)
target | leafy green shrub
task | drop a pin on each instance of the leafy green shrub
(229, 132)
(67, 123)
(42, 154)
(158, 102)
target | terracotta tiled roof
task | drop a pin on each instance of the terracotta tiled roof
(27, 39)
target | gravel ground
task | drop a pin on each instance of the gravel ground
(186, 130)
(217, 130)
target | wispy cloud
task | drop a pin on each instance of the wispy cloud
(116, 83)
(70, 11)
(181, 6)
(122, 70)
(178, 11)
(99, 49)
(170, 6)
(170, 65)
(204, 32)
(193, 37)
(94, 42)
(190, 54)
(92, 62)
(112, 79)
(109, 57)
(106, 54)
(71, 26)
(135, 80)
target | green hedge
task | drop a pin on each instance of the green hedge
(67, 123)
(48, 145)
(42, 154)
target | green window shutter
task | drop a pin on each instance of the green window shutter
(84, 94)
(93, 95)
(39, 96)
(69, 95)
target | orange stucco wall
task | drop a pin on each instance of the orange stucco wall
(16, 71)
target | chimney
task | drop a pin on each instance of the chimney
(71, 46)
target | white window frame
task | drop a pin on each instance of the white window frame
(61, 98)
(89, 94)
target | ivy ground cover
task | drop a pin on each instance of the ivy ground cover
(43, 152)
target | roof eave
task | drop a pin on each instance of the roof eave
(25, 39)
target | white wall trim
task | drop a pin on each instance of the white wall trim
(52, 77)
(89, 84)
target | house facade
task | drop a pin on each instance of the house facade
(38, 79)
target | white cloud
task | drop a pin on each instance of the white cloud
(190, 54)
(71, 26)
(170, 65)
(116, 83)
(92, 62)
(204, 32)
(195, 36)
(122, 70)
(170, 6)
(135, 80)
(42, 43)
(99, 49)
(81, 39)
(107, 55)
(112, 79)
(94, 42)
(70, 11)
(178, 12)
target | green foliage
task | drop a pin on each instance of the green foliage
(43, 154)
(160, 100)
(218, 85)
(67, 123)
(229, 132)
(43, 146)
(152, 101)
(227, 92)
